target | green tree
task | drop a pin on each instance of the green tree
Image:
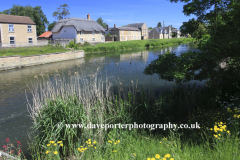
(35, 13)
(51, 25)
(219, 44)
(100, 21)
(150, 28)
(62, 12)
(159, 24)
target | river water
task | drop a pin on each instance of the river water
(126, 66)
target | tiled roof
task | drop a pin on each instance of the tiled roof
(81, 24)
(138, 25)
(4, 18)
(46, 34)
(161, 30)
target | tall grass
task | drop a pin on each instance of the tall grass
(83, 100)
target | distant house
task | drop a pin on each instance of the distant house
(81, 29)
(160, 33)
(17, 30)
(175, 30)
(45, 36)
(142, 27)
(125, 33)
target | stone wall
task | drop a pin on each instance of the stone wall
(19, 61)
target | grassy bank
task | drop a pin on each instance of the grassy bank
(85, 100)
(28, 51)
(128, 45)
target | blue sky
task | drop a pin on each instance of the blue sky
(113, 12)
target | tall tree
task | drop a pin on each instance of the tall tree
(62, 12)
(150, 28)
(51, 25)
(159, 24)
(100, 21)
(35, 13)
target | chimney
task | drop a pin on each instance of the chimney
(88, 16)
(107, 27)
(115, 26)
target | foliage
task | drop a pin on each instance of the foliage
(62, 12)
(100, 21)
(51, 25)
(174, 34)
(159, 24)
(35, 13)
(150, 28)
(195, 28)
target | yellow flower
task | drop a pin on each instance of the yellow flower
(55, 144)
(160, 142)
(109, 141)
(94, 142)
(48, 145)
(152, 158)
(211, 129)
(51, 142)
(234, 115)
(215, 135)
(119, 140)
(134, 154)
(55, 152)
(94, 147)
(164, 159)
(47, 152)
(115, 143)
(167, 155)
(148, 158)
(157, 156)
(59, 142)
(228, 131)
(171, 159)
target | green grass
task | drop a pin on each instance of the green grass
(129, 45)
(83, 100)
(28, 51)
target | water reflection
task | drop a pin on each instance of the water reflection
(123, 66)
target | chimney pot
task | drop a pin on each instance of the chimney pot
(88, 16)
(107, 27)
(115, 26)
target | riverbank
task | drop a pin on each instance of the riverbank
(129, 45)
(11, 62)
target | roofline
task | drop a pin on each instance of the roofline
(17, 23)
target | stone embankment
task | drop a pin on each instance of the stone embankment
(24, 61)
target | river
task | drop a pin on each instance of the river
(126, 66)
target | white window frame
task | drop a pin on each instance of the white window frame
(93, 39)
(134, 37)
(29, 40)
(29, 29)
(129, 31)
(134, 32)
(102, 39)
(12, 40)
(81, 32)
(81, 39)
(122, 37)
(11, 27)
(129, 37)
(122, 31)
(93, 32)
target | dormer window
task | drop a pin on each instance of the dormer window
(10, 28)
(81, 32)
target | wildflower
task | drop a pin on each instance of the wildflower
(164, 159)
(94, 147)
(109, 141)
(48, 145)
(228, 131)
(4, 146)
(59, 142)
(119, 140)
(152, 158)
(148, 158)
(157, 156)
(51, 142)
(47, 152)
(18, 142)
(115, 143)
(55, 152)
(167, 155)
(134, 154)
(171, 159)
(7, 140)
(55, 144)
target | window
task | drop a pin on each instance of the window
(93, 32)
(122, 31)
(12, 40)
(81, 40)
(129, 37)
(29, 28)
(102, 39)
(93, 39)
(10, 28)
(129, 31)
(138, 37)
(30, 41)
(122, 37)
(134, 32)
(81, 32)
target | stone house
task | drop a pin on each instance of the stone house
(160, 33)
(81, 29)
(17, 31)
(142, 27)
(125, 33)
